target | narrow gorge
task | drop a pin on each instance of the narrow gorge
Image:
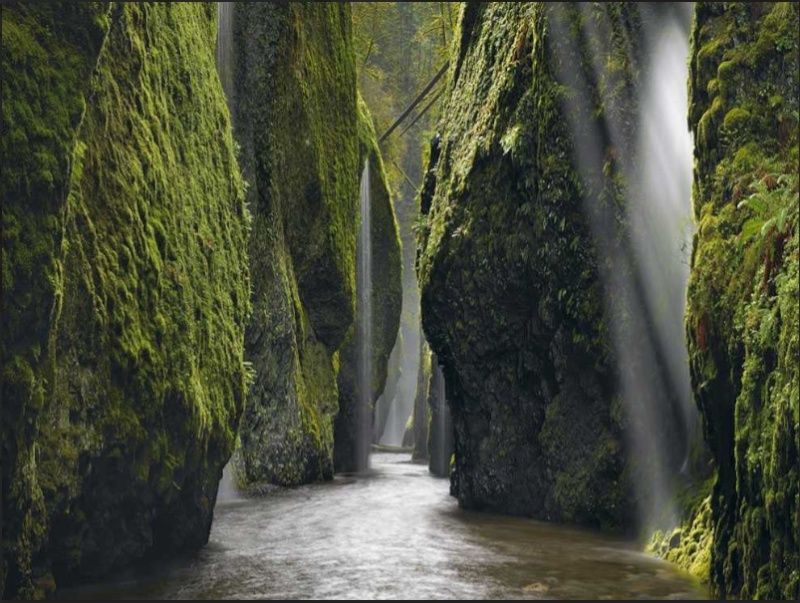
(400, 300)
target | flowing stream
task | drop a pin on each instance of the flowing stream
(394, 533)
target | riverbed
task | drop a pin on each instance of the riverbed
(394, 533)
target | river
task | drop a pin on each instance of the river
(395, 533)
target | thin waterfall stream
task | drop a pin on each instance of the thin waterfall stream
(364, 320)
(225, 49)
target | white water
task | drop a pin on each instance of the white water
(228, 490)
(401, 406)
(645, 282)
(364, 322)
(662, 221)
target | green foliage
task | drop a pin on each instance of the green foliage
(742, 315)
(399, 46)
(773, 211)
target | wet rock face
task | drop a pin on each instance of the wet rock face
(511, 299)
(742, 314)
(138, 370)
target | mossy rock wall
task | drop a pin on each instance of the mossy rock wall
(387, 297)
(512, 301)
(46, 73)
(742, 314)
(421, 416)
(296, 119)
(140, 292)
(440, 443)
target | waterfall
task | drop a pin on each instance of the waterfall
(661, 221)
(400, 407)
(227, 490)
(225, 49)
(644, 278)
(364, 322)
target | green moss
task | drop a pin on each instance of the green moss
(689, 545)
(48, 53)
(742, 318)
(296, 116)
(512, 303)
(735, 119)
(145, 338)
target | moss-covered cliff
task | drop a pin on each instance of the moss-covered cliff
(387, 297)
(125, 277)
(742, 315)
(304, 137)
(511, 297)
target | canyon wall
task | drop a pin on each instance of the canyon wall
(742, 315)
(304, 137)
(125, 287)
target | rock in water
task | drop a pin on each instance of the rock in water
(304, 136)
(510, 276)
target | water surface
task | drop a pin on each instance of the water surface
(394, 534)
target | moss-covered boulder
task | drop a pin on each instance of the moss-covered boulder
(528, 169)
(296, 119)
(125, 271)
(742, 315)
(352, 439)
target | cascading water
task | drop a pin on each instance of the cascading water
(227, 490)
(400, 409)
(225, 49)
(401, 402)
(644, 276)
(364, 322)
(661, 221)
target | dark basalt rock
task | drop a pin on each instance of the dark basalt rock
(513, 302)
(297, 123)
